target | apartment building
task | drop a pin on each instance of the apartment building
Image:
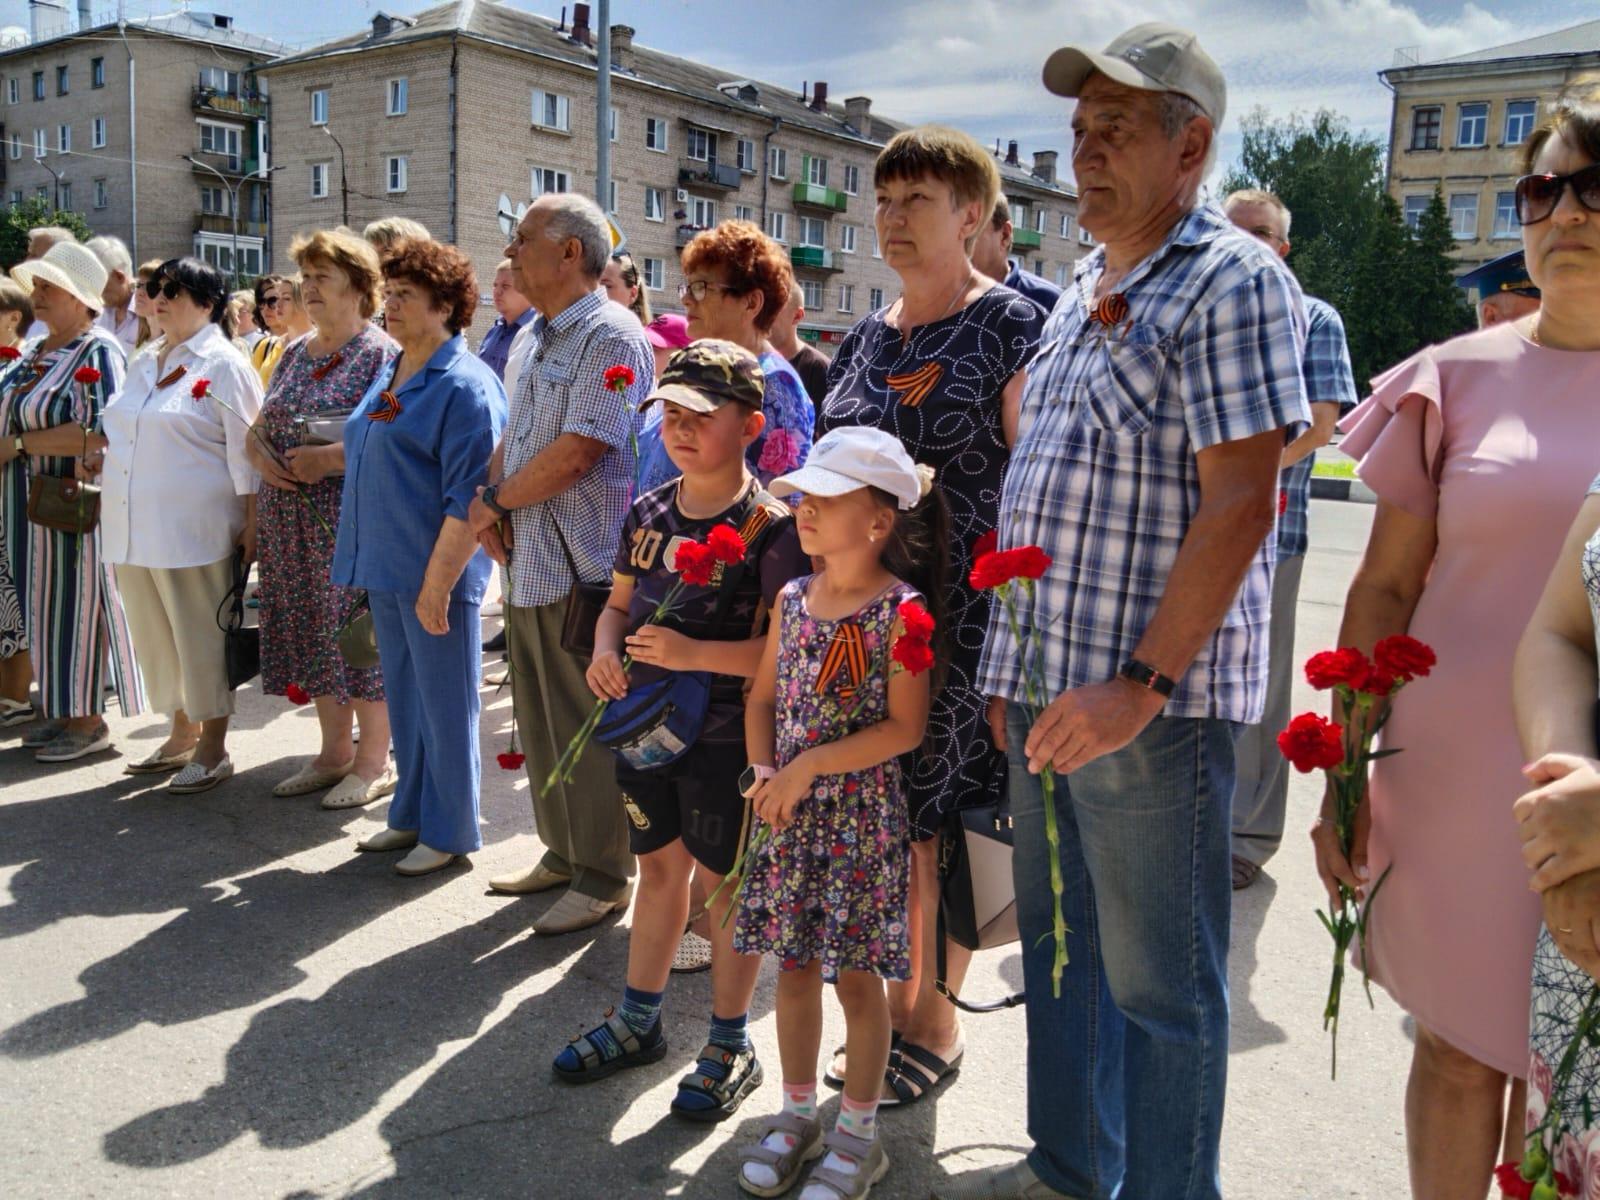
(438, 115)
(150, 128)
(1459, 125)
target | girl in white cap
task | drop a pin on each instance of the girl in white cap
(834, 705)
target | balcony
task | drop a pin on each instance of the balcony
(814, 258)
(209, 100)
(217, 223)
(1026, 239)
(814, 195)
(687, 234)
(709, 176)
(228, 164)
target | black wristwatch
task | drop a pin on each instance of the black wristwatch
(488, 497)
(1146, 677)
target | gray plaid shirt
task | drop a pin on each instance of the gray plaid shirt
(562, 390)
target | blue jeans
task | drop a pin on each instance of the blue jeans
(1127, 1070)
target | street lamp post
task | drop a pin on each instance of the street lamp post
(233, 200)
(344, 186)
(54, 174)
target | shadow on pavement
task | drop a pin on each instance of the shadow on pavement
(1248, 1029)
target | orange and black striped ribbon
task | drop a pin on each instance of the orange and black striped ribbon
(40, 370)
(387, 411)
(846, 652)
(915, 387)
(1111, 311)
(319, 373)
(758, 520)
(171, 377)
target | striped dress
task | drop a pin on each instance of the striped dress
(71, 611)
(13, 630)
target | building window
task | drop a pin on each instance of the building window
(743, 212)
(38, 85)
(547, 180)
(812, 290)
(1505, 216)
(1038, 267)
(42, 194)
(65, 192)
(64, 139)
(220, 80)
(1063, 270)
(319, 106)
(552, 111)
(13, 94)
(1464, 217)
(852, 180)
(747, 156)
(214, 201)
(1040, 216)
(97, 133)
(399, 95)
(655, 274)
(16, 195)
(1472, 125)
(38, 143)
(1085, 238)
(1425, 128)
(847, 239)
(1520, 115)
(655, 134)
(817, 171)
(220, 139)
(877, 246)
(778, 163)
(611, 197)
(398, 172)
(654, 209)
(1066, 225)
(703, 213)
(1019, 215)
(778, 226)
(319, 180)
(61, 81)
(1413, 209)
(875, 298)
(16, 145)
(813, 231)
(97, 79)
(847, 297)
(697, 144)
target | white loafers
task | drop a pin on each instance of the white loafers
(310, 779)
(424, 860)
(389, 839)
(196, 778)
(353, 791)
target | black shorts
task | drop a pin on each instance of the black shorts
(696, 798)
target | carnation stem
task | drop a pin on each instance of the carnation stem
(273, 454)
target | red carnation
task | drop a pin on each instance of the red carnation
(1378, 682)
(1344, 667)
(1283, 501)
(917, 620)
(987, 543)
(914, 654)
(725, 543)
(1312, 743)
(1404, 657)
(695, 563)
(198, 391)
(990, 571)
(618, 378)
(86, 375)
(10, 353)
(1029, 562)
(510, 761)
(297, 694)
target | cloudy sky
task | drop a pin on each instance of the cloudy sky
(976, 62)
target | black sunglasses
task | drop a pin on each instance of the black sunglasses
(1538, 195)
(170, 289)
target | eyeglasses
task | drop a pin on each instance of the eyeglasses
(170, 290)
(1538, 195)
(269, 302)
(699, 287)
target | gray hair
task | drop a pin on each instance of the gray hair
(1176, 111)
(54, 234)
(576, 216)
(389, 231)
(113, 255)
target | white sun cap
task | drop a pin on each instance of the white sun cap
(853, 457)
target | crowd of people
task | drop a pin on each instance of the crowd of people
(762, 563)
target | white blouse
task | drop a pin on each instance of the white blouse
(176, 475)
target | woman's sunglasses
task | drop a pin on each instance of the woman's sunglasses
(169, 289)
(1538, 195)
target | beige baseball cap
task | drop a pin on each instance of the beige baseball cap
(1154, 57)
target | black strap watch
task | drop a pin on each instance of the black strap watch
(1146, 677)
(488, 497)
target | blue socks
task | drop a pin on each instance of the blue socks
(731, 1033)
(727, 1033)
(640, 1012)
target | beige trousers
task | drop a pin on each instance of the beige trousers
(172, 618)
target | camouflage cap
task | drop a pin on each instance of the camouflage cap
(707, 374)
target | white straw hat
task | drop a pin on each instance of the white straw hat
(72, 267)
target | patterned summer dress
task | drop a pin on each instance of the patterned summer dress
(1560, 991)
(833, 886)
(300, 609)
(940, 393)
(13, 629)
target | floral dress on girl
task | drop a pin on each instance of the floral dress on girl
(834, 885)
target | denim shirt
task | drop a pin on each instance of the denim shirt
(404, 477)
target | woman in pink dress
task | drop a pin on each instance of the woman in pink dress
(1480, 451)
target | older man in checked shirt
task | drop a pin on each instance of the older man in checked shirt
(1166, 386)
(564, 469)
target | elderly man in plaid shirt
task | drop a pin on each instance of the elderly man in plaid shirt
(1156, 413)
(1261, 791)
(564, 469)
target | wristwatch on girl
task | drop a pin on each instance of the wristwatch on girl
(753, 775)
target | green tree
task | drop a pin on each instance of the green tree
(1350, 245)
(17, 219)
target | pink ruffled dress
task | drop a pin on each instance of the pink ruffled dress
(1497, 440)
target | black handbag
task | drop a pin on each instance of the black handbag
(241, 646)
(585, 603)
(977, 894)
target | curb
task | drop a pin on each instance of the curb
(1342, 489)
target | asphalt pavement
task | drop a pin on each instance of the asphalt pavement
(215, 996)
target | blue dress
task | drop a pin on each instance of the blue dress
(940, 394)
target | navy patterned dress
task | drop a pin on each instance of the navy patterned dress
(940, 393)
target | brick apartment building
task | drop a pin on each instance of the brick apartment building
(1459, 124)
(436, 116)
(111, 110)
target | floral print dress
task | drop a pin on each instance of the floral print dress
(301, 610)
(833, 886)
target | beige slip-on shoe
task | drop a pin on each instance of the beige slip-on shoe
(537, 878)
(575, 911)
(424, 860)
(353, 791)
(310, 779)
(389, 839)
